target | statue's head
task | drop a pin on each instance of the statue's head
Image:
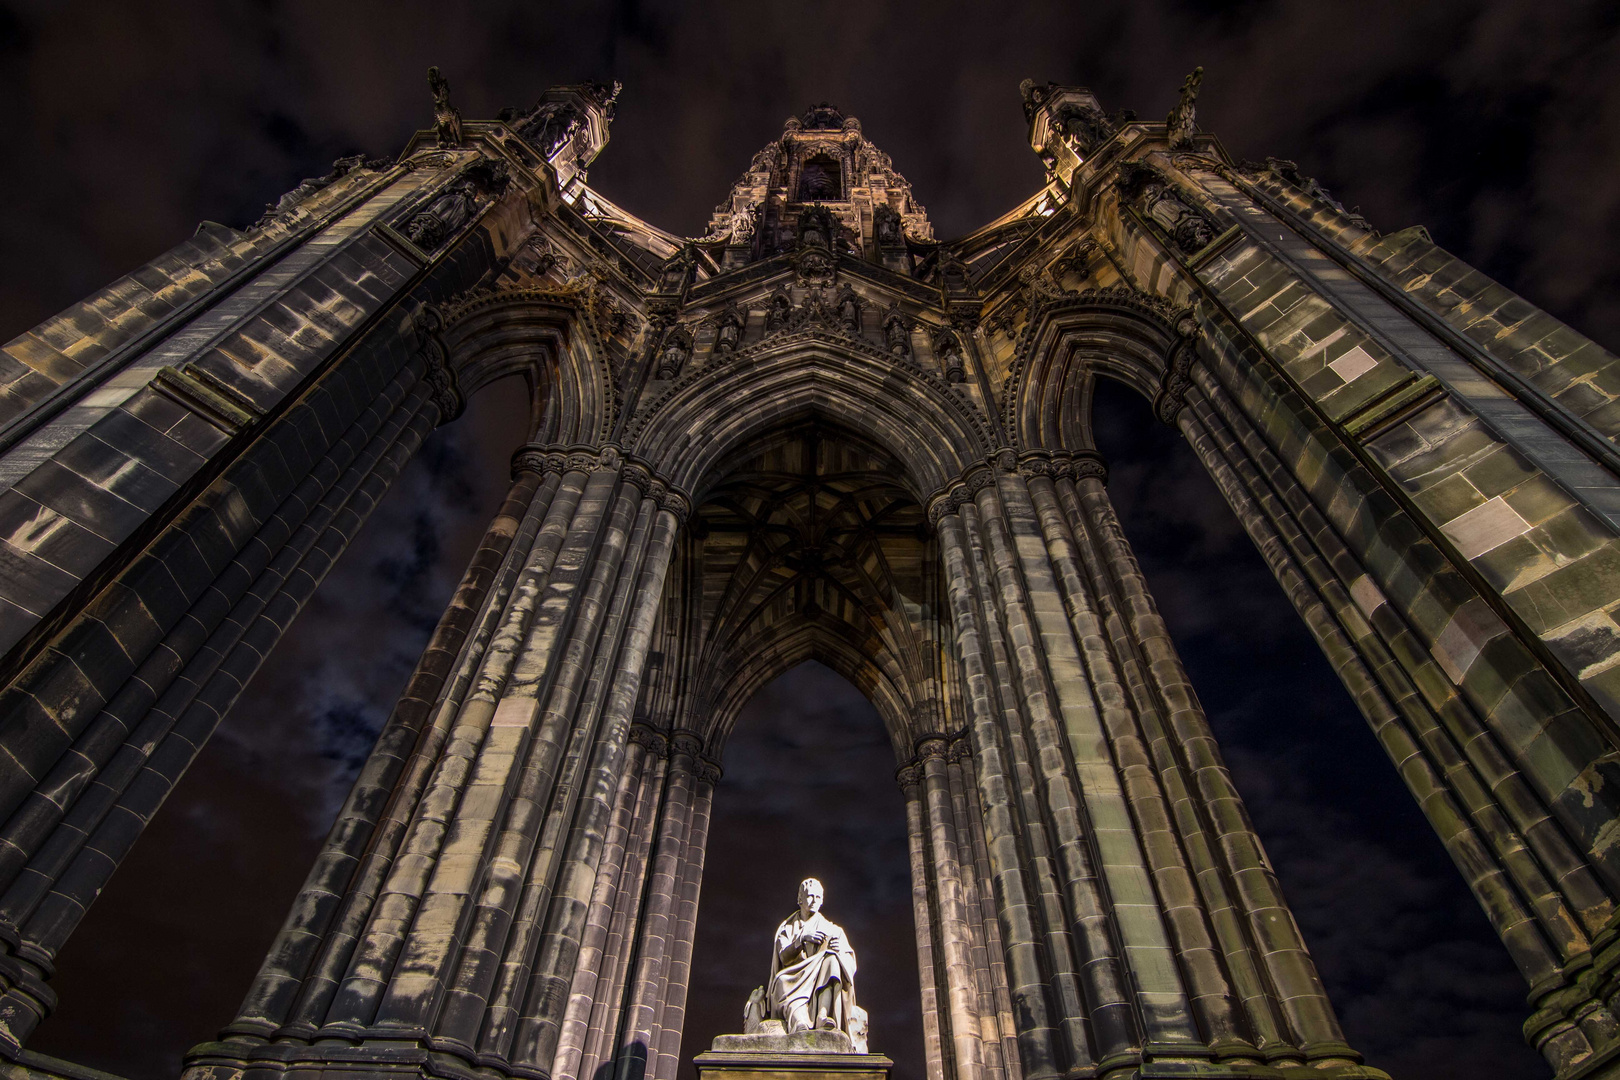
(810, 894)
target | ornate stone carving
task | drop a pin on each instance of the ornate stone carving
(685, 742)
(1084, 125)
(446, 117)
(908, 776)
(1181, 121)
(886, 228)
(948, 350)
(437, 373)
(552, 127)
(777, 313)
(286, 206)
(1177, 380)
(849, 312)
(1188, 227)
(674, 352)
(649, 738)
(728, 331)
(897, 334)
(454, 207)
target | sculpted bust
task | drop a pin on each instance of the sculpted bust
(812, 984)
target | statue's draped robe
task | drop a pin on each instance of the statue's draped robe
(799, 970)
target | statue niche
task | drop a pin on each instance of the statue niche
(821, 179)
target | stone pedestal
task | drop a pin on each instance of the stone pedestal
(774, 1055)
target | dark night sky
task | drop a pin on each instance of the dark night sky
(1495, 125)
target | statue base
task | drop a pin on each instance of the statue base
(776, 1055)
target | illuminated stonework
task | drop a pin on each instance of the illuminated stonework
(816, 431)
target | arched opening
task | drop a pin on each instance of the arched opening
(821, 179)
(1422, 985)
(808, 791)
(160, 961)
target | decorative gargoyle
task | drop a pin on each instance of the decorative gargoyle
(446, 117)
(1182, 118)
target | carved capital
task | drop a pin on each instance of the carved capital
(707, 771)
(688, 743)
(932, 746)
(908, 776)
(676, 503)
(649, 738)
(1089, 466)
(961, 749)
(539, 459)
(1038, 463)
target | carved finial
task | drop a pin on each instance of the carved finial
(1181, 119)
(446, 117)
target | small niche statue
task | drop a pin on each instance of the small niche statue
(812, 984)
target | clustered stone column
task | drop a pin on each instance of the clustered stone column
(967, 1011)
(1495, 806)
(64, 837)
(449, 911)
(628, 1000)
(1138, 914)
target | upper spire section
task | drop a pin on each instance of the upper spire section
(568, 126)
(821, 159)
(1066, 123)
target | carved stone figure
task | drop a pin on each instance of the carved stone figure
(552, 125)
(1085, 125)
(1182, 117)
(676, 350)
(729, 334)
(821, 178)
(949, 353)
(897, 335)
(742, 225)
(456, 205)
(849, 313)
(812, 984)
(446, 117)
(1188, 227)
(776, 315)
(886, 226)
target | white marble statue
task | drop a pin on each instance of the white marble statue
(812, 985)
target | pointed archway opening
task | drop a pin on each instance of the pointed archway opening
(808, 791)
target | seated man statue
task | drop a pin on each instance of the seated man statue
(812, 982)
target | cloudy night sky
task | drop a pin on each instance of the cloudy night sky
(1495, 125)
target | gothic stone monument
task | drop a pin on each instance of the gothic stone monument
(815, 431)
(804, 1022)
